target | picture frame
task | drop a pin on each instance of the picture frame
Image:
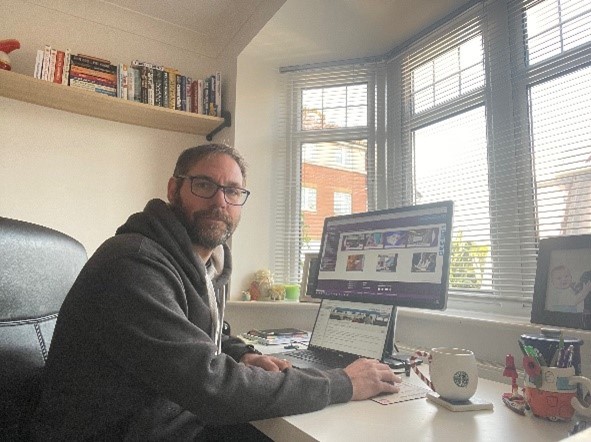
(562, 290)
(311, 263)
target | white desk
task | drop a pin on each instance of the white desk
(418, 420)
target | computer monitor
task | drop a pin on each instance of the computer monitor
(396, 256)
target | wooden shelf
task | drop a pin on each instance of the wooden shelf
(70, 99)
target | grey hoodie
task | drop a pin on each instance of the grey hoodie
(132, 355)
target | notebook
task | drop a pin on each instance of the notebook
(344, 331)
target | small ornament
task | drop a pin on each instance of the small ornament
(6, 47)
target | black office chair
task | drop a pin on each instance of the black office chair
(38, 266)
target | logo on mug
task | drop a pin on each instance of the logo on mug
(461, 379)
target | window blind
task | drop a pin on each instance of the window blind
(491, 110)
(328, 145)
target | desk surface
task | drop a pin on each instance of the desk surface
(419, 420)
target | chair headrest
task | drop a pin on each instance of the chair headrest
(38, 266)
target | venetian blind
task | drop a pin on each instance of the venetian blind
(495, 108)
(327, 142)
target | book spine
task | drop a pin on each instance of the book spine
(51, 71)
(46, 60)
(158, 94)
(172, 88)
(137, 84)
(150, 77)
(59, 66)
(93, 87)
(95, 80)
(130, 83)
(144, 84)
(165, 93)
(177, 105)
(188, 99)
(194, 105)
(67, 60)
(206, 96)
(38, 64)
(122, 81)
(212, 110)
(200, 97)
(85, 61)
(81, 70)
(183, 93)
(218, 93)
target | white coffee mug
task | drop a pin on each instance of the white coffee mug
(453, 371)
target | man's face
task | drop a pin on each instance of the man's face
(209, 222)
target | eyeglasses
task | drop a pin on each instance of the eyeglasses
(205, 188)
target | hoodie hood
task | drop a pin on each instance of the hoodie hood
(159, 223)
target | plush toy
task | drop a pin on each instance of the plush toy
(6, 47)
(260, 287)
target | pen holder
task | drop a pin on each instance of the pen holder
(551, 392)
(548, 345)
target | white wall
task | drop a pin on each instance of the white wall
(256, 111)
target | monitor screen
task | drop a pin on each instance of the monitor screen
(395, 256)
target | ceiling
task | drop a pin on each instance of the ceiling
(301, 31)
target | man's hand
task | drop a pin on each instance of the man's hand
(269, 363)
(370, 378)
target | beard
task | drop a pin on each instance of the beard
(207, 228)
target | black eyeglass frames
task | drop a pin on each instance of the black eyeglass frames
(206, 188)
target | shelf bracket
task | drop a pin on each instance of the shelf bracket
(227, 116)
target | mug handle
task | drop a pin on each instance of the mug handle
(577, 405)
(422, 354)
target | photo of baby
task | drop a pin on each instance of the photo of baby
(568, 293)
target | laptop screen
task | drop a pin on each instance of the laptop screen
(352, 327)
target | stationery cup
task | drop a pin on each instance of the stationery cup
(453, 371)
(552, 393)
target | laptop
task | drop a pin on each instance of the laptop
(344, 331)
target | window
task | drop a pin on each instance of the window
(308, 199)
(491, 110)
(342, 203)
(327, 114)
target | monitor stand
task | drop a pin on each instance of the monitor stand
(392, 356)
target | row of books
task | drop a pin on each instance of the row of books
(138, 81)
(277, 336)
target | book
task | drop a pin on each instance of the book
(66, 72)
(212, 87)
(51, 70)
(38, 64)
(93, 87)
(276, 336)
(218, 93)
(59, 67)
(74, 68)
(177, 105)
(172, 73)
(158, 93)
(134, 84)
(199, 97)
(96, 64)
(188, 100)
(165, 93)
(122, 81)
(46, 59)
(93, 79)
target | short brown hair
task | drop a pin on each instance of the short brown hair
(191, 156)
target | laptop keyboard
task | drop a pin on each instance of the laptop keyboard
(327, 359)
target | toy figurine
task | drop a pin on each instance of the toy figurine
(513, 400)
(6, 47)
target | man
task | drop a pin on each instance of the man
(138, 353)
